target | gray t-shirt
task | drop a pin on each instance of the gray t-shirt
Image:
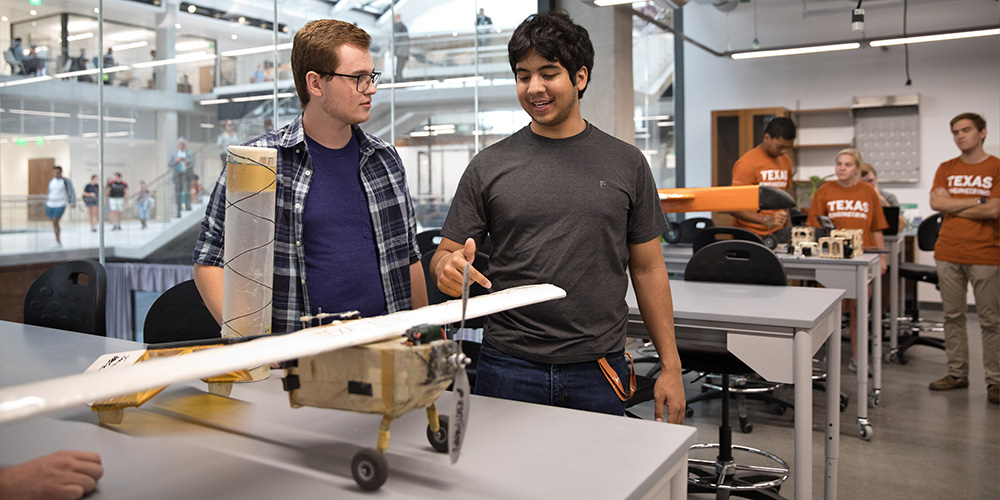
(559, 211)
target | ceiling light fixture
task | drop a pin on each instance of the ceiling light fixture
(46, 114)
(80, 36)
(400, 85)
(958, 35)
(255, 50)
(127, 46)
(795, 51)
(118, 119)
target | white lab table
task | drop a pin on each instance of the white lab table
(776, 331)
(851, 275)
(186, 443)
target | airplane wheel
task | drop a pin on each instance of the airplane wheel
(439, 439)
(673, 234)
(369, 468)
(770, 241)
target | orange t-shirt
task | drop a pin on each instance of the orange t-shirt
(758, 168)
(962, 240)
(855, 207)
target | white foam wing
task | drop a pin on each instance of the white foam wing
(27, 400)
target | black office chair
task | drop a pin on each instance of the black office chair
(927, 234)
(428, 240)
(732, 261)
(713, 234)
(179, 314)
(69, 296)
(685, 230)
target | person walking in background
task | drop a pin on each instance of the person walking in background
(91, 196)
(181, 163)
(117, 192)
(144, 202)
(967, 190)
(60, 194)
(483, 26)
(80, 64)
(227, 138)
(109, 62)
(402, 44)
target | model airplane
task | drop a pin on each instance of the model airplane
(724, 199)
(393, 368)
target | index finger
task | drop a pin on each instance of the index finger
(477, 277)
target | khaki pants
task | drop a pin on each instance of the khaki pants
(953, 280)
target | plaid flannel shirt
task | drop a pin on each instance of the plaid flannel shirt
(393, 222)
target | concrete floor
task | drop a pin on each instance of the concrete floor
(925, 444)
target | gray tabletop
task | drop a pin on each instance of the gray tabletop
(185, 443)
(750, 305)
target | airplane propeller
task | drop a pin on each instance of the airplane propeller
(460, 389)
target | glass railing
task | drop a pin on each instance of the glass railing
(453, 97)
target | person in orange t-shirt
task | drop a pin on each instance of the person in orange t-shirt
(766, 165)
(968, 251)
(851, 204)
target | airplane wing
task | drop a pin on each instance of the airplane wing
(724, 199)
(23, 401)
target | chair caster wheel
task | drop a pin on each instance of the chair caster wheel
(745, 426)
(688, 412)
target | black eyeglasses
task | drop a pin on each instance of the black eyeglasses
(364, 81)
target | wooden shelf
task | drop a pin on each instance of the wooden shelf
(821, 110)
(822, 146)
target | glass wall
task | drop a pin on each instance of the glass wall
(653, 80)
(181, 70)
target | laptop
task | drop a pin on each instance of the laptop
(892, 217)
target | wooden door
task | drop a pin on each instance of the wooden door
(39, 175)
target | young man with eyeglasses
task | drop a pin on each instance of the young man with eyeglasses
(345, 234)
(564, 203)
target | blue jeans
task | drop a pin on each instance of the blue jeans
(580, 386)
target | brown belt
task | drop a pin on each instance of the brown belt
(616, 382)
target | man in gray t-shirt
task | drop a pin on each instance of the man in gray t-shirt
(564, 203)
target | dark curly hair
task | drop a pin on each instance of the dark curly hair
(554, 36)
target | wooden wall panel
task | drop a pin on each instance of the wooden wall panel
(14, 283)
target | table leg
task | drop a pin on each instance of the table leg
(861, 310)
(802, 375)
(876, 313)
(832, 408)
(894, 259)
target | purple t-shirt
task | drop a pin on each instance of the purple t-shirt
(341, 266)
